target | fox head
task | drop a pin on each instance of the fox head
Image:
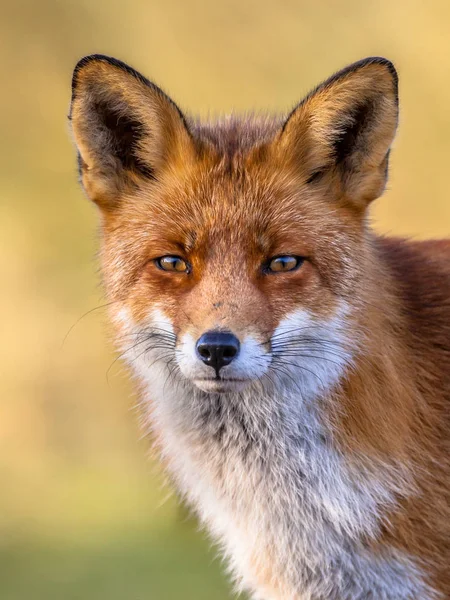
(235, 253)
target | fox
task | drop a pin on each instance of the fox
(292, 366)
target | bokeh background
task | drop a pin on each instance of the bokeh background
(83, 510)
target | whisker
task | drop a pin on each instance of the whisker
(171, 367)
(306, 353)
(288, 332)
(72, 327)
(318, 348)
(307, 340)
(123, 354)
(283, 372)
(159, 342)
(301, 367)
(150, 332)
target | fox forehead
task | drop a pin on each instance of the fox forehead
(235, 197)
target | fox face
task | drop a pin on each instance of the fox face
(234, 254)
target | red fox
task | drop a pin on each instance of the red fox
(294, 367)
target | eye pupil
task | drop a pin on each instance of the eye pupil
(281, 264)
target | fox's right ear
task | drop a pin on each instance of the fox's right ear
(125, 128)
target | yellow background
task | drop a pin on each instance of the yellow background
(83, 513)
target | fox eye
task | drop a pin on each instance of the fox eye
(282, 264)
(172, 263)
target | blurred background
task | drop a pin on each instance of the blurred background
(84, 513)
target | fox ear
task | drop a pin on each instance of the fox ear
(125, 128)
(343, 130)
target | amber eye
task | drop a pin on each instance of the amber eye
(282, 264)
(172, 263)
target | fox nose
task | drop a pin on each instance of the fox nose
(217, 349)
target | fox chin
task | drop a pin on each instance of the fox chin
(294, 367)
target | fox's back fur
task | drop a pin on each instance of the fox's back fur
(319, 457)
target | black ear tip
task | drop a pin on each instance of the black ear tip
(384, 62)
(109, 60)
(366, 62)
(86, 60)
(99, 58)
(392, 71)
(371, 60)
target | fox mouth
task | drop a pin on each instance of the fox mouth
(220, 385)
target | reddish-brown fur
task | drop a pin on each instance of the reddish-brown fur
(247, 186)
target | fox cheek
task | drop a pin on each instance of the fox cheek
(314, 351)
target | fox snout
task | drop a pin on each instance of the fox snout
(221, 361)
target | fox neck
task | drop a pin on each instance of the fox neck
(377, 406)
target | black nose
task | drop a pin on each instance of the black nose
(218, 348)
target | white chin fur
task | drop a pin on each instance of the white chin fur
(221, 386)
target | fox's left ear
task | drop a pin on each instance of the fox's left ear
(343, 130)
(126, 129)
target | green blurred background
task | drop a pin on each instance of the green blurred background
(83, 510)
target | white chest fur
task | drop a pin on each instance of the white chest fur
(288, 511)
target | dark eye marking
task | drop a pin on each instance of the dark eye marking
(283, 264)
(174, 264)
